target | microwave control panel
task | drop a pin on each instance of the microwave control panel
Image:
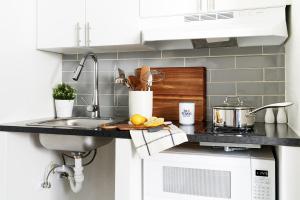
(261, 189)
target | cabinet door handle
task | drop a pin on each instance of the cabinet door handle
(77, 28)
(211, 5)
(200, 5)
(87, 34)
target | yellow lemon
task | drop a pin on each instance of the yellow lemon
(138, 119)
(154, 121)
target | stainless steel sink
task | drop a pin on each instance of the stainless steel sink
(72, 143)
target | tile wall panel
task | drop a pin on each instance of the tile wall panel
(257, 74)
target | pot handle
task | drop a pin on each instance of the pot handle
(238, 100)
(274, 105)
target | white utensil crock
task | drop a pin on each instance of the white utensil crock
(187, 113)
(141, 102)
(64, 108)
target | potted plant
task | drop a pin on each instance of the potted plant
(64, 96)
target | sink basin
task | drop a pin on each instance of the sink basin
(72, 143)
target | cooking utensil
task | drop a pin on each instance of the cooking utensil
(152, 76)
(144, 77)
(133, 81)
(121, 79)
(238, 115)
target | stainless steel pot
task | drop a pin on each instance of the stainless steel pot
(235, 114)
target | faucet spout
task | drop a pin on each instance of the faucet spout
(94, 108)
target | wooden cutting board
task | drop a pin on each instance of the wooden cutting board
(181, 84)
(127, 127)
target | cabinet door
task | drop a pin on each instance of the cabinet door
(58, 22)
(154, 8)
(112, 22)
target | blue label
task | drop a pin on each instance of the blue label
(186, 113)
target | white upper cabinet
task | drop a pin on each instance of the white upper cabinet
(60, 23)
(72, 25)
(112, 22)
(155, 8)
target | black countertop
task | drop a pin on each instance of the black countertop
(262, 134)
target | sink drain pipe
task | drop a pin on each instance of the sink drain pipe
(74, 174)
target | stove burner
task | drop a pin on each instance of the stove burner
(232, 130)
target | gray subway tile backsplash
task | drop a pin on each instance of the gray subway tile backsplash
(102, 56)
(69, 57)
(211, 62)
(221, 89)
(85, 77)
(106, 88)
(235, 51)
(122, 100)
(140, 54)
(185, 53)
(82, 88)
(273, 99)
(254, 73)
(261, 61)
(273, 49)
(228, 75)
(260, 88)
(165, 62)
(275, 74)
(105, 77)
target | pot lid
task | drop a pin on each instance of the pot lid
(233, 107)
(233, 103)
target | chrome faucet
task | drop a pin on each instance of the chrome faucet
(94, 108)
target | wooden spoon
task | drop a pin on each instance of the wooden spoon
(145, 71)
(133, 82)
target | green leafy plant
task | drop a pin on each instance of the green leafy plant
(64, 92)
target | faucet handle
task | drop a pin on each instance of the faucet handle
(92, 108)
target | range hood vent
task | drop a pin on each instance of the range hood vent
(204, 17)
(254, 27)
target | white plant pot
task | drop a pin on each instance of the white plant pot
(64, 108)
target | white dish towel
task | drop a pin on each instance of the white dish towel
(150, 143)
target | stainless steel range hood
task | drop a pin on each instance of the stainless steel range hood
(254, 27)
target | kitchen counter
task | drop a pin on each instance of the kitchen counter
(262, 134)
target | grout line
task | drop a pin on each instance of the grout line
(235, 62)
(246, 82)
(249, 95)
(224, 56)
(236, 90)
(105, 106)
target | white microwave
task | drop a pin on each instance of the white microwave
(209, 174)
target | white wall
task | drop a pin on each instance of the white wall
(289, 162)
(26, 79)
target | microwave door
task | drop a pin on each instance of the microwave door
(197, 177)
